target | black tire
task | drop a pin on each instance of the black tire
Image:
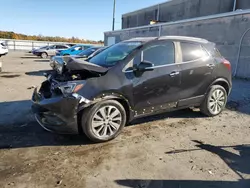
(44, 55)
(88, 115)
(205, 109)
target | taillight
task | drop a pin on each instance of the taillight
(227, 64)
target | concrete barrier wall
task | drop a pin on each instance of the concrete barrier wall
(225, 31)
(29, 44)
(179, 10)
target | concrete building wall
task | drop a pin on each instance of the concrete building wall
(243, 4)
(226, 32)
(179, 10)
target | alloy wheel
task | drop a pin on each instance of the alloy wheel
(106, 121)
(216, 101)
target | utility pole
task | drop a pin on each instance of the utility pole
(113, 25)
(235, 3)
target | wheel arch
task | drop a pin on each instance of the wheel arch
(222, 82)
(110, 96)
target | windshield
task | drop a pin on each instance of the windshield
(87, 52)
(110, 56)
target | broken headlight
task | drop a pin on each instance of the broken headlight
(70, 88)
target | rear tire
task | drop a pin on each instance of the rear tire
(103, 121)
(44, 55)
(215, 101)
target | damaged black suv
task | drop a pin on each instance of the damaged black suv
(132, 79)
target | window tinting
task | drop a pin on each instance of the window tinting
(60, 47)
(160, 54)
(191, 52)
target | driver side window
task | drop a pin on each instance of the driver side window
(159, 54)
(77, 48)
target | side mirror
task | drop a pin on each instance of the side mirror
(145, 66)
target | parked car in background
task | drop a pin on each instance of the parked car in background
(92, 52)
(38, 48)
(88, 53)
(50, 50)
(3, 48)
(70, 44)
(132, 79)
(74, 50)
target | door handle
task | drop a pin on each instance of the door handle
(173, 74)
(211, 65)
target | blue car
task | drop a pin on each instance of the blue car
(73, 50)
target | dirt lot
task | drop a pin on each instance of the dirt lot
(172, 150)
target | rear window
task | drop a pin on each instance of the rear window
(192, 52)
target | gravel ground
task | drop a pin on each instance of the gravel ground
(181, 149)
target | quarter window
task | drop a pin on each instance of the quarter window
(192, 52)
(159, 54)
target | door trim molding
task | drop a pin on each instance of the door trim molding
(191, 101)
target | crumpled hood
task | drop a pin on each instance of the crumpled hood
(73, 64)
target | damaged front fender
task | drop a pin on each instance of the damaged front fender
(109, 96)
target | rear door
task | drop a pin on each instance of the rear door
(197, 67)
(159, 88)
(57, 48)
(52, 50)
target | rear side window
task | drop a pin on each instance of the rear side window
(159, 54)
(60, 47)
(192, 52)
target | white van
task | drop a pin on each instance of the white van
(3, 49)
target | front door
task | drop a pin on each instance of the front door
(159, 88)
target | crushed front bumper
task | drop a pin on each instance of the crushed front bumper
(56, 113)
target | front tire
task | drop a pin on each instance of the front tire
(215, 101)
(44, 55)
(103, 121)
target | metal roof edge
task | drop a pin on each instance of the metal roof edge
(238, 12)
